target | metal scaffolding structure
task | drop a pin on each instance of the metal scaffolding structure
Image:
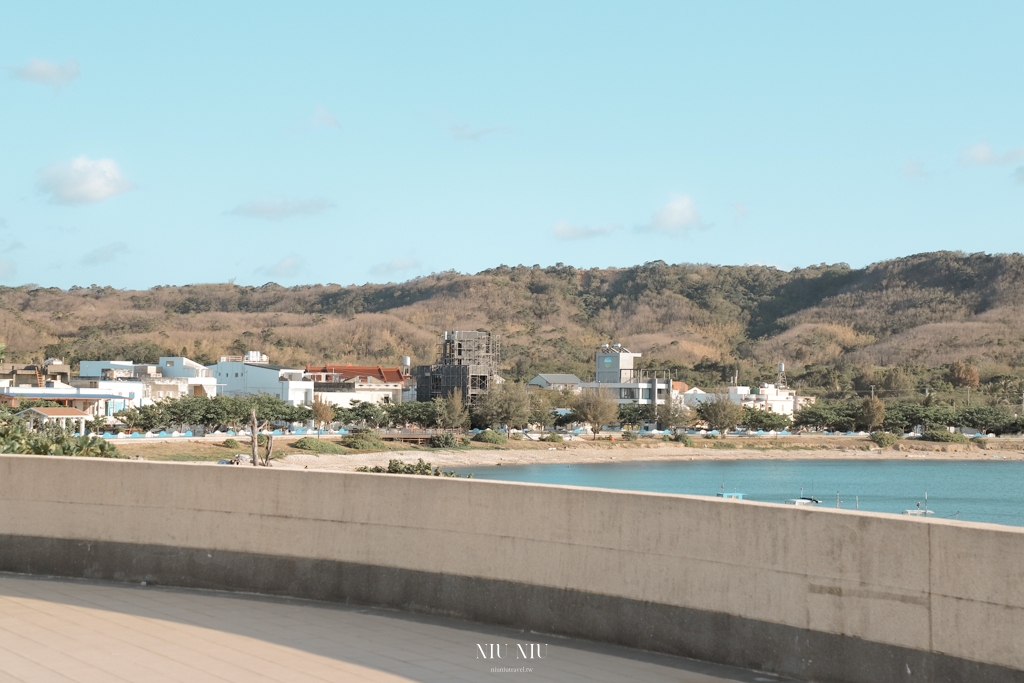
(466, 360)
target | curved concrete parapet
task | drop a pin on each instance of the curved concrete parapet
(816, 594)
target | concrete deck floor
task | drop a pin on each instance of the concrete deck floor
(84, 631)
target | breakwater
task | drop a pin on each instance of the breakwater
(828, 595)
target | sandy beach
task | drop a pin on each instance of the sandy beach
(603, 452)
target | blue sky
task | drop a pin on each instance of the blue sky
(349, 143)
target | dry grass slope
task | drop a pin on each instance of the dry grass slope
(924, 309)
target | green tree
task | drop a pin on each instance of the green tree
(872, 413)
(505, 404)
(764, 420)
(720, 413)
(632, 415)
(597, 408)
(451, 412)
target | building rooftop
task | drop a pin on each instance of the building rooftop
(555, 378)
(56, 412)
(346, 371)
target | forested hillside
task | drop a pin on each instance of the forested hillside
(900, 322)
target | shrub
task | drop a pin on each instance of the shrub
(308, 443)
(684, 439)
(944, 436)
(230, 443)
(446, 440)
(552, 437)
(723, 444)
(516, 436)
(980, 442)
(491, 436)
(363, 441)
(630, 435)
(421, 468)
(884, 439)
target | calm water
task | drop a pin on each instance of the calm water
(981, 491)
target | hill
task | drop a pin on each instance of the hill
(704, 321)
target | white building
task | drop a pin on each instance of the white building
(172, 377)
(768, 397)
(236, 376)
(558, 382)
(616, 373)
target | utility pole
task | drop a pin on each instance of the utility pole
(872, 391)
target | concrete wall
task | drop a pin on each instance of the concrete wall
(816, 594)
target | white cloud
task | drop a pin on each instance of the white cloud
(83, 181)
(286, 267)
(982, 154)
(104, 254)
(322, 117)
(7, 269)
(740, 210)
(398, 265)
(461, 131)
(566, 231)
(276, 211)
(46, 72)
(677, 218)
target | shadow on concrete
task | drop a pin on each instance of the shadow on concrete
(226, 607)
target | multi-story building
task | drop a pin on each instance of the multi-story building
(172, 377)
(466, 360)
(253, 374)
(616, 373)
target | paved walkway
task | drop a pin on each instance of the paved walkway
(83, 631)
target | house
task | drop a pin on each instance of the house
(340, 385)
(558, 382)
(616, 373)
(236, 376)
(37, 417)
(145, 383)
(53, 370)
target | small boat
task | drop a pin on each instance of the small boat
(803, 500)
(920, 511)
(733, 495)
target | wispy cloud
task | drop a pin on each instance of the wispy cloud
(740, 211)
(82, 181)
(3, 222)
(398, 265)
(1018, 175)
(566, 231)
(464, 132)
(914, 169)
(45, 72)
(983, 155)
(277, 211)
(15, 246)
(7, 269)
(322, 117)
(104, 254)
(676, 218)
(286, 267)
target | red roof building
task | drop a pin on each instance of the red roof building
(341, 373)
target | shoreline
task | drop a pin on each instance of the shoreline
(480, 457)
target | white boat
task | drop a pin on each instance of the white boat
(803, 500)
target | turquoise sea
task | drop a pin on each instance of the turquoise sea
(980, 491)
